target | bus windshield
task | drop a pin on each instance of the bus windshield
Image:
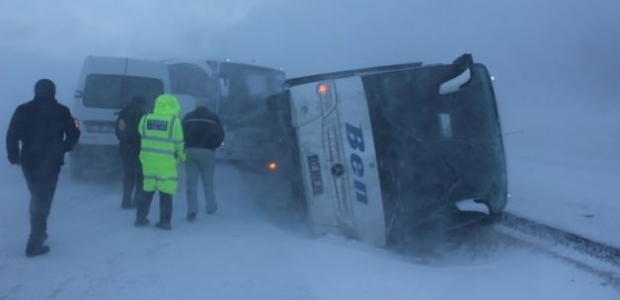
(191, 79)
(437, 148)
(115, 91)
(248, 88)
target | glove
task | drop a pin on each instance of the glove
(181, 157)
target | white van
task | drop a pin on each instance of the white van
(105, 86)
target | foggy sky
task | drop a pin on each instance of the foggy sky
(544, 53)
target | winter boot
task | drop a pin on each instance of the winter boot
(163, 225)
(35, 250)
(141, 222)
(211, 209)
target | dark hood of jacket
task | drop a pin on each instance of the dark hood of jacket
(44, 89)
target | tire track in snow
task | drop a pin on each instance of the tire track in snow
(584, 253)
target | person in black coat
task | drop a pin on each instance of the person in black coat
(129, 149)
(41, 131)
(203, 133)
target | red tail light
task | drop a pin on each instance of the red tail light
(322, 89)
(326, 95)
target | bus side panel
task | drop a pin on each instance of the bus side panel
(306, 118)
(360, 161)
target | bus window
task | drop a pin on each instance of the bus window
(191, 79)
(248, 88)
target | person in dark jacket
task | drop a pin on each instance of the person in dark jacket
(203, 134)
(45, 130)
(129, 149)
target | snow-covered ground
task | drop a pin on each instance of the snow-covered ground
(244, 252)
(566, 173)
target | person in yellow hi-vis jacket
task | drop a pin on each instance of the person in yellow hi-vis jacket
(161, 148)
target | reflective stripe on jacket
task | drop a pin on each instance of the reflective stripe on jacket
(161, 135)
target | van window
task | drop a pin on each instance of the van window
(115, 91)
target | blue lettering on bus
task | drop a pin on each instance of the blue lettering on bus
(357, 165)
(360, 191)
(355, 137)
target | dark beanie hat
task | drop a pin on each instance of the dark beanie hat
(138, 100)
(45, 88)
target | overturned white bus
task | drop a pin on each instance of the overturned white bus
(396, 152)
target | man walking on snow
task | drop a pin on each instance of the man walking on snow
(45, 130)
(203, 134)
